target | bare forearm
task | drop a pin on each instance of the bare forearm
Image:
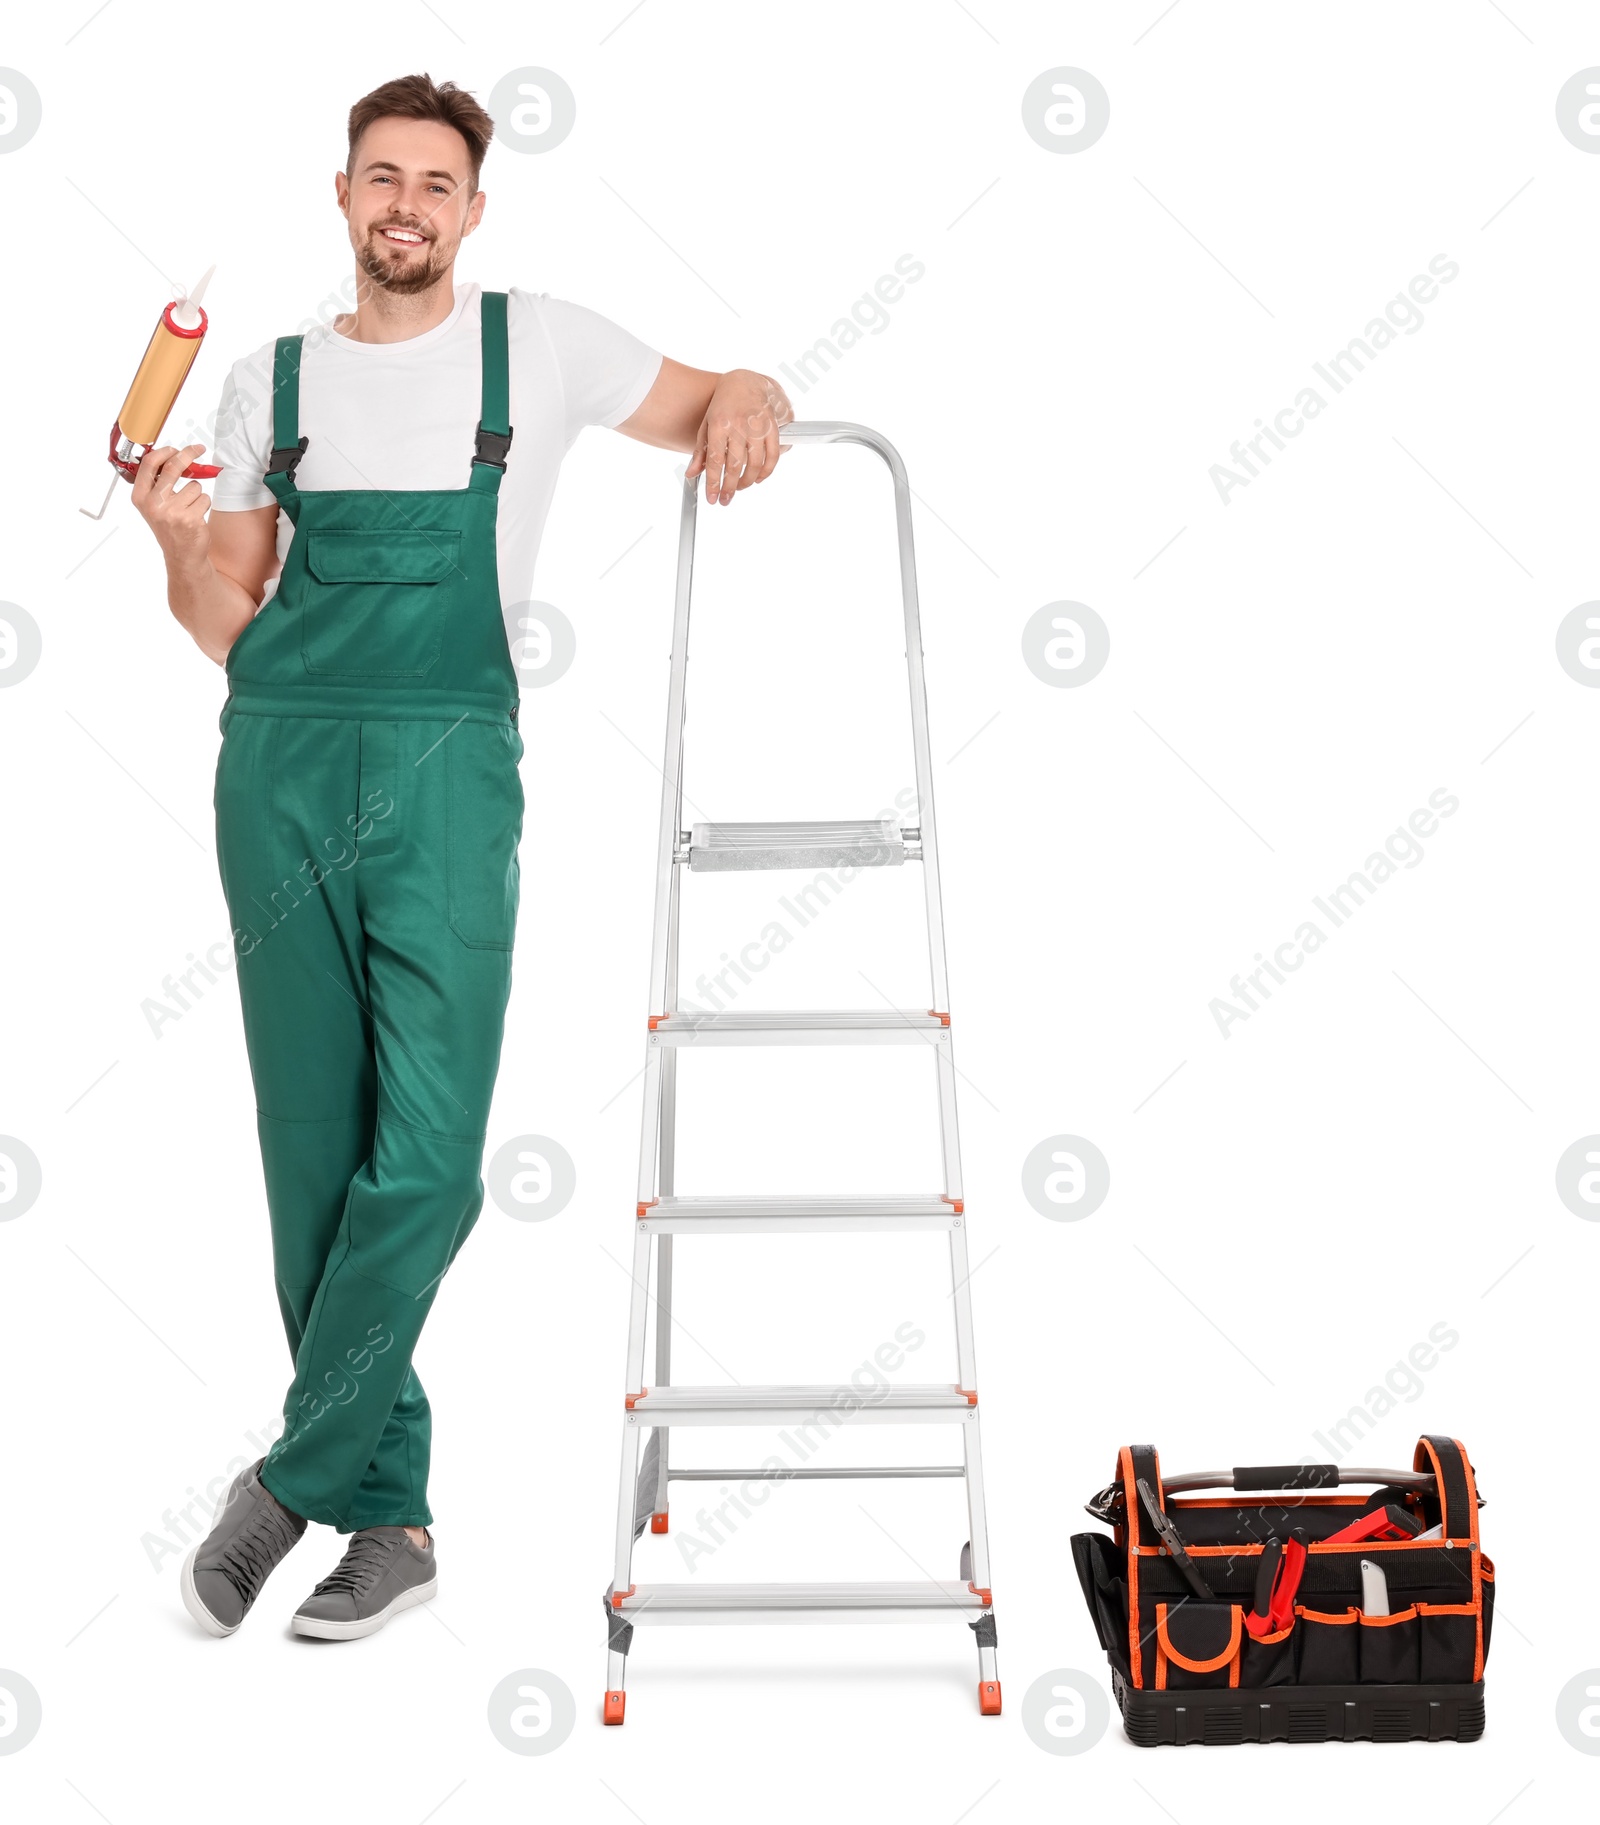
(211, 608)
(670, 419)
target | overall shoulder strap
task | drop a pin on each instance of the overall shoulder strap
(494, 423)
(288, 446)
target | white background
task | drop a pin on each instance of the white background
(1370, 1155)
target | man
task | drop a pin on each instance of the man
(367, 797)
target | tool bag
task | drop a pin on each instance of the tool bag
(1239, 1618)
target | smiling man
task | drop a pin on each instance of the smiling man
(384, 485)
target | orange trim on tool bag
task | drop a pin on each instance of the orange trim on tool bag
(629, 1399)
(1130, 1508)
(1472, 1491)
(1326, 1615)
(1472, 1529)
(617, 1596)
(1446, 1609)
(1285, 1500)
(943, 1019)
(1478, 1654)
(1160, 1552)
(1355, 1548)
(1382, 1546)
(1271, 1641)
(1487, 1566)
(1230, 1652)
(945, 1198)
(1383, 1622)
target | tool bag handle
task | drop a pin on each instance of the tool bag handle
(1254, 1477)
(1454, 1483)
(1136, 1462)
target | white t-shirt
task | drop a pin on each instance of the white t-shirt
(393, 415)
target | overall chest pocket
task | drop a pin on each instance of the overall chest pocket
(376, 602)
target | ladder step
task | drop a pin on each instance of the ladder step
(784, 1215)
(934, 1403)
(876, 842)
(813, 1474)
(766, 1027)
(767, 1603)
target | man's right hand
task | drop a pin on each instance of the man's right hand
(176, 515)
(217, 569)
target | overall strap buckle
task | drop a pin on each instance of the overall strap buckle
(286, 460)
(491, 447)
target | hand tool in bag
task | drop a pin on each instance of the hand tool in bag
(1374, 1589)
(1386, 1523)
(173, 345)
(1171, 1539)
(676, 1032)
(1277, 1581)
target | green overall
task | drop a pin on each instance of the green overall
(369, 808)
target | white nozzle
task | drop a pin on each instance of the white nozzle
(186, 311)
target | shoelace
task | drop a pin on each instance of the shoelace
(364, 1562)
(255, 1549)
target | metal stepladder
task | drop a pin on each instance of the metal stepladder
(662, 1214)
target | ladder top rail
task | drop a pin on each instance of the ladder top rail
(825, 431)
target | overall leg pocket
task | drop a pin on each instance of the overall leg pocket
(484, 812)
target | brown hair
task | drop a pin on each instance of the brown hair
(421, 98)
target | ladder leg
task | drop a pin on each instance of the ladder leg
(667, 1184)
(620, 1635)
(949, 1140)
(639, 1310)
(651, 1123)
(620, 1632)
(972, 1451)
(658, 1513)
(630, 1428)
(961, 1303)
(975, 1562)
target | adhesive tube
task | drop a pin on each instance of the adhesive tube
(173, 346)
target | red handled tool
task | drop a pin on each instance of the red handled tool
(1386, 1523)
(1277, 1581)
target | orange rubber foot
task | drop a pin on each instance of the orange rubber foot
(658, 1523)
(988, 1698)
(615, 1701)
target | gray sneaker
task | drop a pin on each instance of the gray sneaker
(380, 1574)
(250, 1533)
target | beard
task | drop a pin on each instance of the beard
(400, 274)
